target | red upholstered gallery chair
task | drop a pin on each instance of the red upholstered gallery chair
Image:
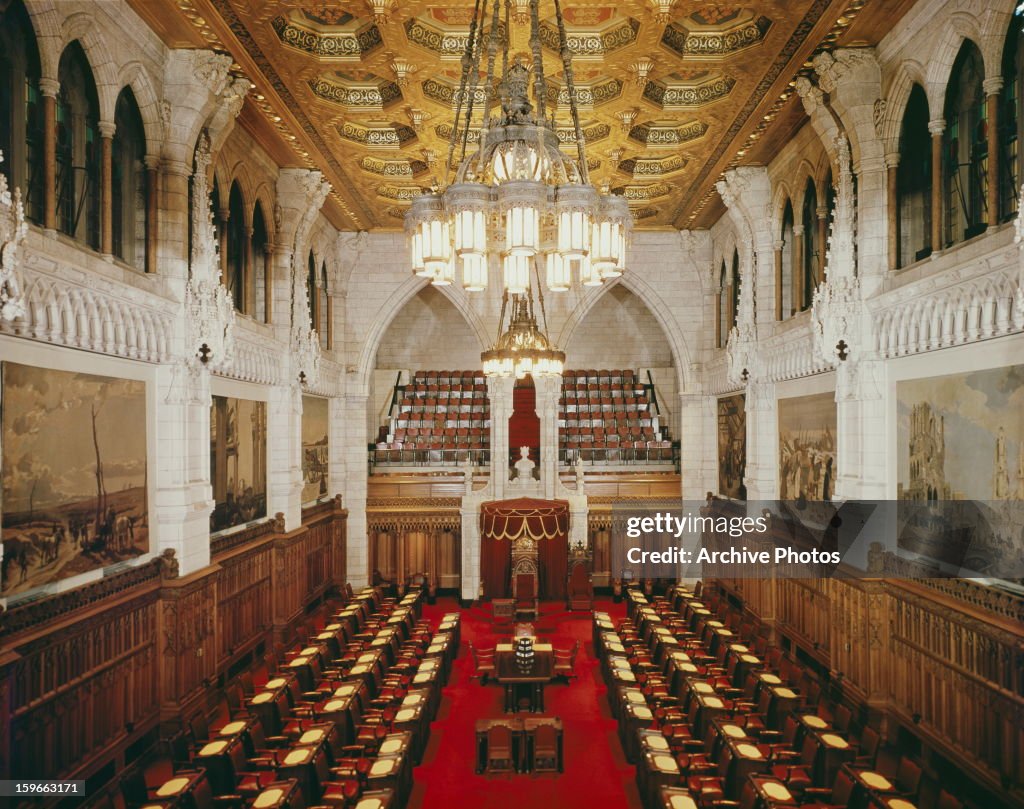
(499, 749)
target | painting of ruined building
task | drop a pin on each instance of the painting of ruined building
(238, 461)
(314, 448)
(960, 470)
(74, 487)
(807, 447)
(732, 446)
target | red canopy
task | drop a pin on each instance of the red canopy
(513, 519)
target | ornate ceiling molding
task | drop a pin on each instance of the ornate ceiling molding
(687, 39)
(667, 134)
(341, 45)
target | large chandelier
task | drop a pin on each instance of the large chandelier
(518, 202)
(522, 349)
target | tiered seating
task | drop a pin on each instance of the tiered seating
(606, 417)
(341, 720)
(442, 417)
(714, 716)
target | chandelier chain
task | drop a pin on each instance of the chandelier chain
(566, 54)
(474, 80)
(467, 60)
(538, 61)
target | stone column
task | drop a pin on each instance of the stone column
(106, 188)
(993, 85)
(330, 322)
(548, 391)
(719, 325)
(797, 275)
(171, 243)
(699, 447)
(819, 270)
(183, 498)
(777, 262)
(284, 478)
(937, 128)
(892, 210)
(762, 473)
(861, 431)
(152, 210)
(268, 281)
(223, 216)
(49, 89)
(356, 479)
(248, 288)
(499, 391)
(336, 464)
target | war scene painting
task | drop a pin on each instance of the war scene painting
(238, 461)
(73, 474)
(807, 447)
(732, 446)
(314, 448)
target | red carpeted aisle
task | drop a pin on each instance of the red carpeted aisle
(596, 773)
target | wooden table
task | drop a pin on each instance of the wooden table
(742, 758)
(188, 791)
(871, 787)
(676, 798)
(531, 683)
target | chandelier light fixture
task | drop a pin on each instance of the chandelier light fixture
(517, 202)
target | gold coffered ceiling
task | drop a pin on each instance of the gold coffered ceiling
(365, 91)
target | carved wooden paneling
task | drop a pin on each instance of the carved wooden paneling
(86, 672)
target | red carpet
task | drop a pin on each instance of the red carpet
(596, 773)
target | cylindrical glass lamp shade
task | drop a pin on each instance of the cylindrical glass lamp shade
(574, 205)
(466, 204)
(426, 217)
(445, 273)
(608, 235)
(589, 275)
(516, 270)
(521, 204)
(416, 254)
(474, 272)
(559, 273)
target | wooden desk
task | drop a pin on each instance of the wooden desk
(278, 795)
(190, 791)
(654, 771)
(772, 792)
(676, 798)
(503, 609)
(377, 799)
(871, 788)
(740, 758)
(530, 683)
(271, 707)
(833, 752)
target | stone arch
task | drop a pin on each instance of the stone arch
(134, 75)
(396, 301)
(804, 172)
(82, 27)
(46, 21)
(949, 41)
(781, 196)
(652, 301)
(909, 73)
(239, 173)
(263, 196)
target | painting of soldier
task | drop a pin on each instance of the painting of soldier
(314, 448)
(73, 474)
(807, 447)
(732, 446)
(238, 461)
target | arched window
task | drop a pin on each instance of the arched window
(237, 236)
(722, 318)
(128, 190)
(734, 290)
(21, 109)
(786, 279)
(1011, 118)
(808, 270)
(829, 190)
(78, 149)
(914, 182)
(965, 152)
(311, 291)
(260, 257)
(323, 310)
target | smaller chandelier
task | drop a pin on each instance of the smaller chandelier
(522, 349)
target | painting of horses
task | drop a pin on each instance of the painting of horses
(73, 474)
(314, 448)
(238, 461)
